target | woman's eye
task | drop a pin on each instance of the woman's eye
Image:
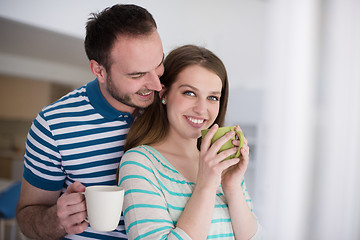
(189, 93)
(213, 98)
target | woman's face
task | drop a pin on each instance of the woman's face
(193, 101)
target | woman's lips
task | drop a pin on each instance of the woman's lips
(195, 121)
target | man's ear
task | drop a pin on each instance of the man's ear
(98, 70)
(162, 92)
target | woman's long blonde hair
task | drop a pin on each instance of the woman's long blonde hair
(152, 125)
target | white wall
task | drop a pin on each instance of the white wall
(310, 132)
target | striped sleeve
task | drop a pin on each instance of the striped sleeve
(145, 209)
(42, 157)
(259, 232)
(247, 196)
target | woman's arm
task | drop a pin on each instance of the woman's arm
(243, 220)
(196, 218)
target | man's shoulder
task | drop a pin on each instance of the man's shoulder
(74, 99)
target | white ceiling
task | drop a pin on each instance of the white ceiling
(34, 42)
(35, 53)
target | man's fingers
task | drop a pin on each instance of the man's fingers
(75, 187)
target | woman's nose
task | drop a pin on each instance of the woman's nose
(200, 106)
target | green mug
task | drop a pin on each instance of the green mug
(221, 132)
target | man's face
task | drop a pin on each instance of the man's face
(136, 65)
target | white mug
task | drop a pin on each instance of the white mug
(104, 205)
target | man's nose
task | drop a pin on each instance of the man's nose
(154, 82)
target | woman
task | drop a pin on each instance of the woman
(173, 189)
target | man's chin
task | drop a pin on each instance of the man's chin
(144, 105)
(141, 104)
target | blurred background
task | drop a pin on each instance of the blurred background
(294, 76)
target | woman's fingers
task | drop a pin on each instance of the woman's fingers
(227, 153)
(206, 141)
(228, 163)
(221, 141)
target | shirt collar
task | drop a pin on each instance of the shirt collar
(98, 101)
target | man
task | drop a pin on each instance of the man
(78, 140)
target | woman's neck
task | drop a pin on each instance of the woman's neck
(178, 146)
(182, 154)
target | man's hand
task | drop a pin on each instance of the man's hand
(71, 209)
(47, 215)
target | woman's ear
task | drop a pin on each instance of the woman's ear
(98, 70)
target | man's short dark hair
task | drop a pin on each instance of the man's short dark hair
(103, 28)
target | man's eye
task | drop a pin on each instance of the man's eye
(137, 76)
(189, 93)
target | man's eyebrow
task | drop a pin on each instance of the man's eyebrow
(143, 73)
(162, 60)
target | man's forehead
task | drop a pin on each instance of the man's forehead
(137, 52)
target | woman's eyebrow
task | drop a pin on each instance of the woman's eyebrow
(196, 89)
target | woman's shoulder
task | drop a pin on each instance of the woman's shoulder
(139, 153)
(145, 155)
(139, 149)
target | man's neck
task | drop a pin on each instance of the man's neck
(116, 104)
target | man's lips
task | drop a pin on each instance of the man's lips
(145, 93)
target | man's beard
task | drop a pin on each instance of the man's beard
(125, 99)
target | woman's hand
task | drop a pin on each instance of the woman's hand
(211, 164)
(234, 175)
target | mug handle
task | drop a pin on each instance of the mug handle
(86, 219)
(241, 135)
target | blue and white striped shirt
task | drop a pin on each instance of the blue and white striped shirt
(80, 138)
(156, 195)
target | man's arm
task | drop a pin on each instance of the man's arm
(45, 215)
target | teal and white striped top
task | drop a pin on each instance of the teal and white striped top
(156, 195)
